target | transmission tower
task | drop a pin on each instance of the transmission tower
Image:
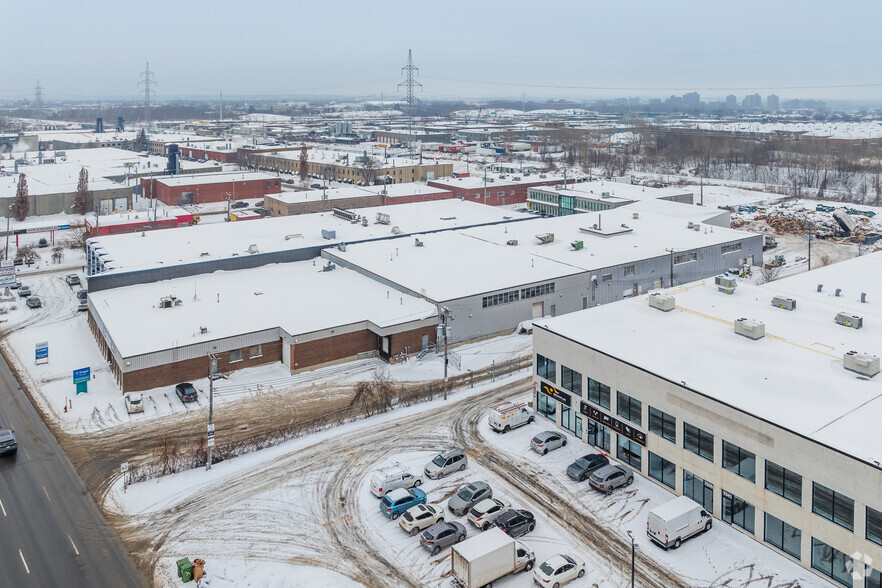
(147, 85)
(38, 96)
(410, 71)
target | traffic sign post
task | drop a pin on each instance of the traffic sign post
(42, 352)
(81, 378)
(124, 468)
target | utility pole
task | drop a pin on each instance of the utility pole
(809, 237)
(702, 191)
(485, 181)
(149, 83)
(671, 251)
(446, 315)
(633, 549)
(212, 371)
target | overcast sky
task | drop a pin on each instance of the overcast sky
(465, 50)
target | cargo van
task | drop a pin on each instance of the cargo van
(676, 521)
(392, 477)
(506, 416)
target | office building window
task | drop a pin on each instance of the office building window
(629, 408)
(663, 424)
(598, 435)
(235, 355)
(534, 291)
(783, 482)
(783, 536)
(630, 270)
(546, 405)
(832, 562)
(738, 512)
(255, 351)
(501, 298)
(874, 526)
(571, 380)
(598, 393)
(739, 461)
(698, 490)
(570, 420)
(872, 578)
(546, 368)
(698, 441)
(685, 257)
(663, 470)
(833, 506)
(730, 248)
(629, 452)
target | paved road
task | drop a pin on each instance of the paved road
(51, 532)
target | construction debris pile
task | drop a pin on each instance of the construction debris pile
(841, 224)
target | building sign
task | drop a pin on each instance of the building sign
(555, 393)
(42, 350)
(81, 375)
(7, 271)
(620, 427)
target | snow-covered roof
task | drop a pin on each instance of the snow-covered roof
(298, 297)
(392, 191)
(218, 178)
(793, 377)
(618, 191)
(221, 241)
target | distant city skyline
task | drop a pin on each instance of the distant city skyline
(96, 50)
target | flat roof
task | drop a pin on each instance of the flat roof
(392, 191)
(218, 178)
(183, 245)
(793, 377)
(618, 191)
(245, 301)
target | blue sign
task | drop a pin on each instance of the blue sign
(42, 350)
(63, 227)
(81, 375)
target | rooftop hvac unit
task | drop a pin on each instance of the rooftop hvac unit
(169, 302)
(345, 214)
(512, 242)
(690, 225)
(785, 303)
(662, 302)
(364, 221)
(396, 230)
(862, 363)
(542, 176)
(329, 267)
(577, 245)
(517, 179)
(849, 320)
(726, 283)
(605, 195)
(635, 215)
(383, 218)
(253, 249)
(750, 329)
(326, 234)
(697, 227)
(545, 238)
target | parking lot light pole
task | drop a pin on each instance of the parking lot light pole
(631, 535)
(212, 370)
(8, 218)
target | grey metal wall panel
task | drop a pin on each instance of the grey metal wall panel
(171, 355)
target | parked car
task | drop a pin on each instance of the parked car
(442, 535)
(258, 204)
(72, 279)
(558, 570)
(240, 204)
(8, 444)
(446, 463)
(548, 441)
(392, 477)
(134, 402)
(468, 496)
(677, 520)
(580, 469)
(186, 392)
(506, 416)
(42, 243)
(420, 517)
(315, 186)
(516, 522)
(34, 302)
(485, 512)
(82, 294)
(400, 500)
(610, 477)
(24, 291)
(15, 285)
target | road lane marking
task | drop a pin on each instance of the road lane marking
(26, 453)
(47, 494)
(77, 551)
(3, 509)
(23, 561)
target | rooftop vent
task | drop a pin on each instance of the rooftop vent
(545, 238)
(750, 328)
(253, 249)
(396, 230)
(690, 225)
(726, 283)
(329, 267)
(512, 242)
(326, 234)
(635, 215)
(849, 320)
(785, 303)
(862, 363)
(662, 302)
(418, 243)
(294, 236)
(577, 245)
(203, 330)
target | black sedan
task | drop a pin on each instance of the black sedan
(240, 204)
(516, 522)
(580, 469)
(186, 392)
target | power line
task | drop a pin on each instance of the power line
(148, 82)
(410, 71)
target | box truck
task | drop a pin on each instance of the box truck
(485, 558)
(676, 521)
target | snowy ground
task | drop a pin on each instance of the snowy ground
(307, 503)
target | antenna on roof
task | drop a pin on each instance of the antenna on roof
(195, 295)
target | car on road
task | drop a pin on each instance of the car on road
(442, 535)
(34, 302)
(400, 500)
(8, 444)
(468, 496)
(186, 392)
(315, 186)
(485, 512)
(392, 477)
(239, 204)
(516, 522)
(446, 463)
(580, 469)
(610, 477)
(134, 402)
(548, 441)
(24, 291)
(420, 517)
(558, 570)
(72, 279)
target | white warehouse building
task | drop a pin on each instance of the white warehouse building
(761, 405)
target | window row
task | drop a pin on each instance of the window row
(253, 352)
(502, 298)
(730, 248)
(540, 290)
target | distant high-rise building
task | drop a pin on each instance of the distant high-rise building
(675, 101)
(752, 101)
(731, 101)
(772, 102)
(691, 100)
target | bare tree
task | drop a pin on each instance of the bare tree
(81, 197)
(368, 168)
(304, 163)
(140, 141)
(21, 206)
(769, 273)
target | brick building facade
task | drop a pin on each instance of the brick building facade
(496, 192)
(198, 189)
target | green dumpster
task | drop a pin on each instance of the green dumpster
(185, 570)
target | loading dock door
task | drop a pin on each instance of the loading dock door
(538, 309)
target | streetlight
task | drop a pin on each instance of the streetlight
(8, 217)
(631, 535)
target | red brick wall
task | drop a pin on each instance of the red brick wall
(493, 190)
(221, 156)
(239, 190)
(419, 198)
(332, 348)
(413, 340)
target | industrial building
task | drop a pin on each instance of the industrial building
(496, 190)
(351, 197)
(574, 198)
(494, 277)
(178, 190)
(759, 402)
(162, 333)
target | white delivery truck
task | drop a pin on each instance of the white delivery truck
(676, 521)
(505, 416)
(485, 558)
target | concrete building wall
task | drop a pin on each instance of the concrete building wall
(815, 462)
(62, 202)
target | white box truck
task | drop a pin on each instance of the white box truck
(506, 416)
(676, 521)
(485, 558)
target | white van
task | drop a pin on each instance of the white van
(677, 521)
(392, 477)
(505, 416)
